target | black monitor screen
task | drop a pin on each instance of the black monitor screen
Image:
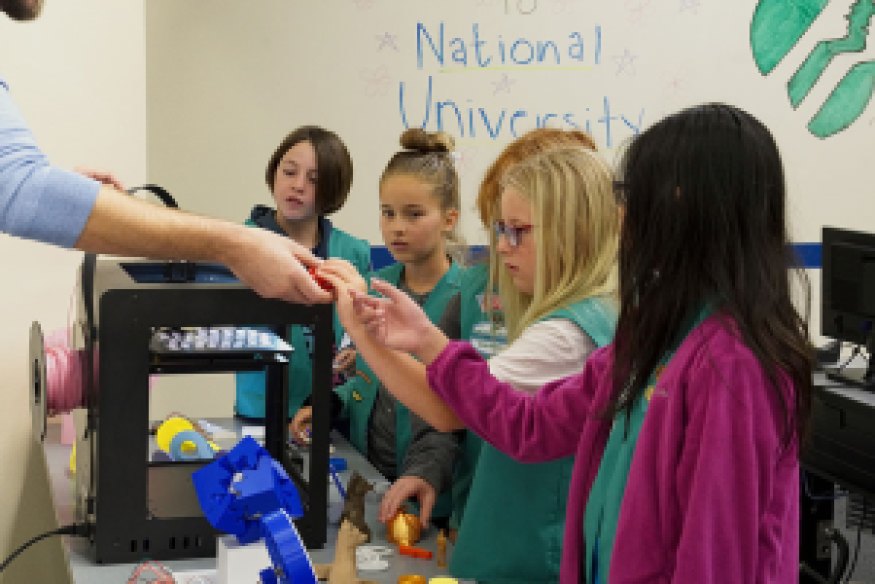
(848, 285)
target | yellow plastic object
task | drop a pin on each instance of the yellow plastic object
(403, 529)
(170, 428)
(442, 580)
(73, 459)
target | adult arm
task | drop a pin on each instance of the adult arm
(270, 264)
(41, 202)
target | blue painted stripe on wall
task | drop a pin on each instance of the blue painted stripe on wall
(380, 256)
(809, 255)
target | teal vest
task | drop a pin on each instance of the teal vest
(359, 393)
(514, 519)
(250, 384)
(471, 313)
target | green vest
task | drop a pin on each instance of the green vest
(514, 519)
(359, 393)
(250, 384)
(473, 286)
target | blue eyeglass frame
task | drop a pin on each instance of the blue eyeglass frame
(513, 233)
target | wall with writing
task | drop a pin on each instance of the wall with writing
(228, 79)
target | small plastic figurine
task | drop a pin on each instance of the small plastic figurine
(354, 506)
(442, 549)
(342, 570)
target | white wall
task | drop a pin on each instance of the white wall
(225, 85)
(78, 75)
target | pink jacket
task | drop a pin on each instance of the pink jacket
(713, 491)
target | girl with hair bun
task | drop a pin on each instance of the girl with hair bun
(419, 212)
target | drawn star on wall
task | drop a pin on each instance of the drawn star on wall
(637, 8)
(503, 85)
(387, 39)
(562, 6)
(625, 62)
(690, 6)
(377, 81)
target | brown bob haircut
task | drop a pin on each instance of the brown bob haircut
(334, 166)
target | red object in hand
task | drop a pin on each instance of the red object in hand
(414, 552)
(322, 282)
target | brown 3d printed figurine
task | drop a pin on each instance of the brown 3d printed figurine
(354, 506)
(342, 570)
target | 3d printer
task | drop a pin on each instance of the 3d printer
(140, 509)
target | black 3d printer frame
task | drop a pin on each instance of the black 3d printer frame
(118, 408)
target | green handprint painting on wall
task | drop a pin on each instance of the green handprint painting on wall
(777, 26)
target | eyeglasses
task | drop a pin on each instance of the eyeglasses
(513, 233)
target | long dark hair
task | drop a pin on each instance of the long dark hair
(705, 223)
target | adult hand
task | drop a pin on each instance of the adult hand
(102, 177)
(404, 488)
(299, 428)
(274, 266)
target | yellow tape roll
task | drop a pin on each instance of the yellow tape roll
(170, 428)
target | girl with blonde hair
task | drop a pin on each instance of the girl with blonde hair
(554, 249)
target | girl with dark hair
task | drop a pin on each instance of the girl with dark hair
(309, 176)
(686, 429)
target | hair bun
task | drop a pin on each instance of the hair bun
(421, 141)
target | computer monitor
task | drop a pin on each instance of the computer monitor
(848, 295)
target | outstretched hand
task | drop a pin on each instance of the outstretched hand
(394, 321)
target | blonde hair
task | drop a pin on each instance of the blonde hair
(576, 229)
(427, 156)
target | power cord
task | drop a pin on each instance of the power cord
(77, 529)
(841, 562)
(853, 565)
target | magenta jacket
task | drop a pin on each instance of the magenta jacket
(713, 491)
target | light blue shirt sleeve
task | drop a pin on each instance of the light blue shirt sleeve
(37, 200)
